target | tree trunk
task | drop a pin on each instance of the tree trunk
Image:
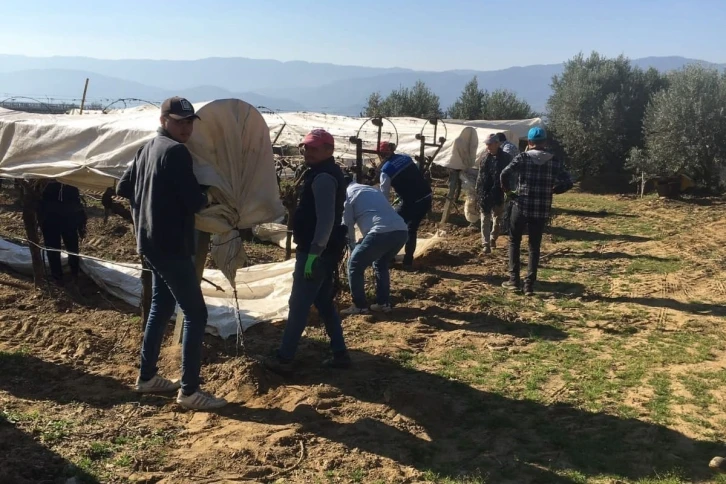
(31, 203)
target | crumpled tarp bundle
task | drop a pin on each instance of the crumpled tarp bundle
(232, 152)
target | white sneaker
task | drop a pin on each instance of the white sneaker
(381, 308)
(200, 400)
(353, 310)
(156, 385)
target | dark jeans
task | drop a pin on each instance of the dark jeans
(377, 249)
(56, 227)
(174, 280)
(413, 214)
(305, 292)
(535, 228)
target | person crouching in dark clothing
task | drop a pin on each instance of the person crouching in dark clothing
(62, 219)
(398, 171)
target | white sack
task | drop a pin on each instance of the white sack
(263, 290)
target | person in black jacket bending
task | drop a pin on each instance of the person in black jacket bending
(320, 239)
(62, 217)
(489, 191)
(164, 196)
(401, 173)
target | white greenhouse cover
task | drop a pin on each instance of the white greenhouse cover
(520, 127)
(230, 147)
(463, 145)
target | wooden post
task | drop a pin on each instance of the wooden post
(200, 257)
(288, 237)
(83, 100)
(31, 203)
(450, 198)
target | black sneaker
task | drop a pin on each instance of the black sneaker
(528, 290)
(511, 286)
(340, 360)
(487, 249)
(275, 364)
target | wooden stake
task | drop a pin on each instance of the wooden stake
(83, 100)
(288, 237)
(453, 182)
(31, 203)
(200, 258)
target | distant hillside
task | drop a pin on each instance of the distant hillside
(68, 84)
(278, 85)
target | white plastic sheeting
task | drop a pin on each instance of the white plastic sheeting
(230, 147)
(262, 290)
(517, 127)
(89, 152)
(464, 144)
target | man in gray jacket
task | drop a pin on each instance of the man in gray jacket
(164, 196)
(384, 235)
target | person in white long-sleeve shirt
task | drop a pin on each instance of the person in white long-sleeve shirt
(384, 234)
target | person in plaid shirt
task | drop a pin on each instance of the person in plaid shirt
(539, 174)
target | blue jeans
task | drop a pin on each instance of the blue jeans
(377, 249)
(305, 293)
(174, 280)
(413, 213)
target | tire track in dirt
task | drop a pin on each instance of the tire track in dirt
(14, 216)
(720, 286)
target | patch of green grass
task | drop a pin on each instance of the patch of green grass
(15, 417)
(357, 475)
(575, 476)
(15, 356)
(99, 451)
(659, 404)
(684, 347)
(498, 299)
(668, 478)
(407, 359)
(569, 304)
(699, 390)
(124, 460)
(437, 478)
(546, 274)
(55, 430)
(653, 266)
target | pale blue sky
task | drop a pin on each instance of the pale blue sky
(423, 34)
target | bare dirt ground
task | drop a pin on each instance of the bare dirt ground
(614, 372)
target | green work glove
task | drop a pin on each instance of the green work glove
(510, 195)
(309, 265)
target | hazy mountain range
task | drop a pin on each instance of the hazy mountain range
(278, 85)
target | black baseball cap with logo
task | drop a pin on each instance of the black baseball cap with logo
(178, 108)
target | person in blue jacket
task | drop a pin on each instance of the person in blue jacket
(401, 173)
